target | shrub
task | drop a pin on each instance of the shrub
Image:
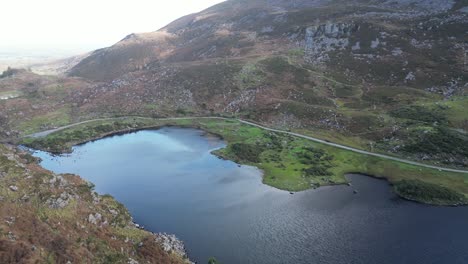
(440, 141)
(247, 152)
(318, 159)
(212, 260)
(427, 192)
(419, 113)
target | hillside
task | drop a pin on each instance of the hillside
(57, 66)
(49, 218)
(385, 76)
(381, 75)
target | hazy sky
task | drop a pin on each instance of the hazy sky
(82, 25)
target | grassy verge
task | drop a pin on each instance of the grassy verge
(289, 163)
(57, 118)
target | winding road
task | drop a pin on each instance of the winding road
(383, 156)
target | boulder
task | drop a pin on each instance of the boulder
(94, 218)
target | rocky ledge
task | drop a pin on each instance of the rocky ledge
(171, 244)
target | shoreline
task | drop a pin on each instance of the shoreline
(386, 156)
(219, 154)
(44, 199)
(121, 133)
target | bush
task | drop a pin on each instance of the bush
(319, 161)
(9, 72)
(247, 152)
(440, 141)
(427, 192)
(276, 65)
(419, 113)
(212, 261)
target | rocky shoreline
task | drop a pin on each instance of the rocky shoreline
(172, 244)
(169, 242)
(61, 217)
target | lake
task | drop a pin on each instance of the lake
(170, 182)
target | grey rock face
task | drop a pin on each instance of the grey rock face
(94, 219)
(132, 261)
(319, 40)
(171, 243)
(60, 202)
(114, 212)
(375, 43)
(356, 46)
(410, 77)
(58, 181)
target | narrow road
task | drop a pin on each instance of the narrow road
(383, 156)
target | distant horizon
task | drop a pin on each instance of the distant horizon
(74, 29)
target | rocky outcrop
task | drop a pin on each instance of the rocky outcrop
(319, 40)
(59, 202)
(171, 243)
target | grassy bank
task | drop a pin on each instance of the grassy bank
(289, 163)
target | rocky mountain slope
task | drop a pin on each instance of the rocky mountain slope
(382, 75)
(357, 38)
(342, 66)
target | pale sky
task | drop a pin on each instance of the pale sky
(84, 25)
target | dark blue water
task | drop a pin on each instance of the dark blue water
(171, 183)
